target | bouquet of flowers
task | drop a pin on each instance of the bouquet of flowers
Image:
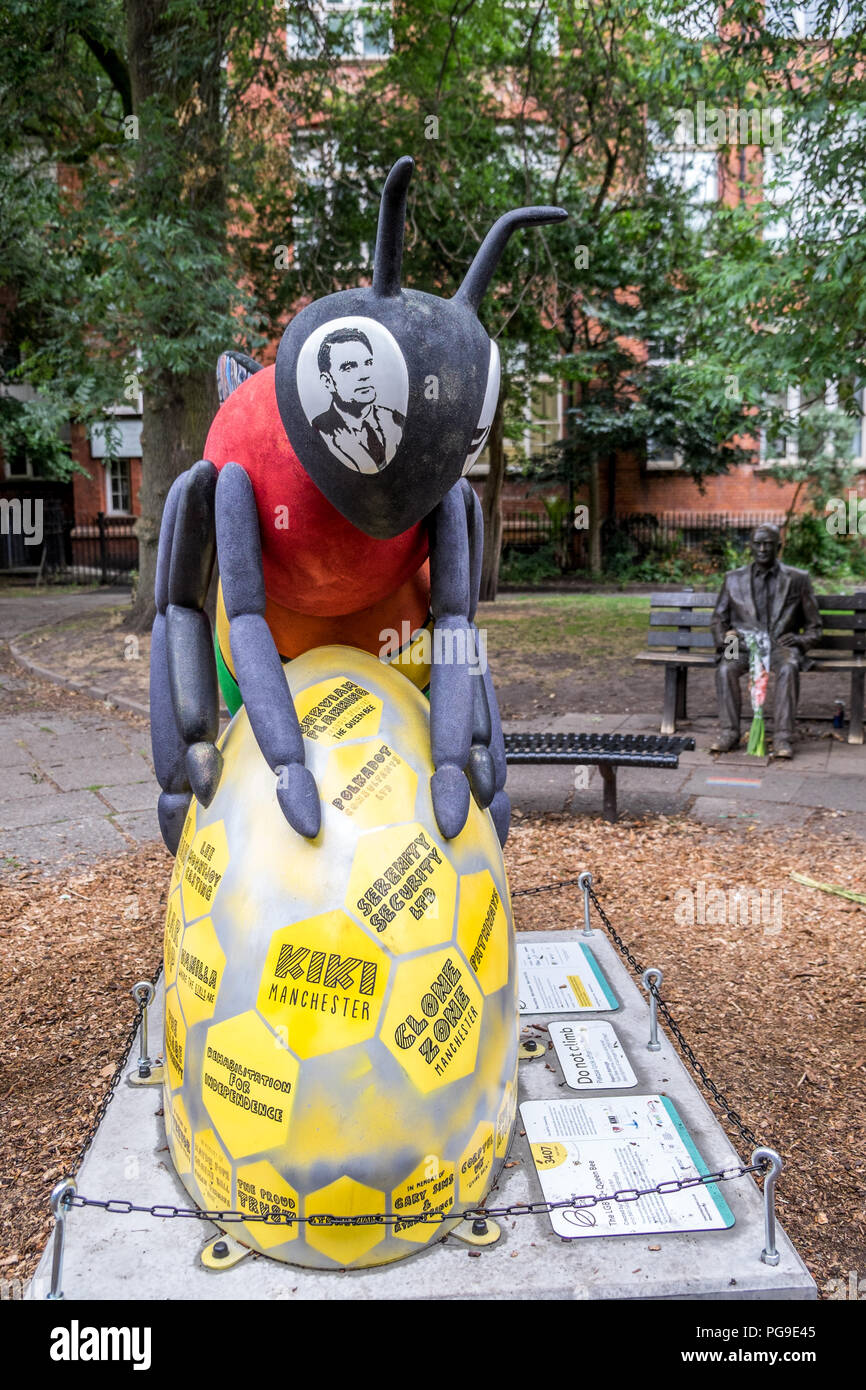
(759, 676)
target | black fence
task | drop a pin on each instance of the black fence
(101, 551)
(636, 537)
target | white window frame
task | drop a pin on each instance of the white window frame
(657, 462)
(792, 447)
(858, 455)
(110, 509)
(352, 8)
(801, 21)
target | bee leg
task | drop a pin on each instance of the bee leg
(500, 806)
(480, 767)
(258, 668)
(452, 694)
(191, 663)
(167, 744)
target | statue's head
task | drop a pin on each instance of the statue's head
(766, 542)
(387, 395)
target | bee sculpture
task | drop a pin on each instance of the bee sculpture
(333, 497)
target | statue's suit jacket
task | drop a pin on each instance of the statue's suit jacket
(794, 607)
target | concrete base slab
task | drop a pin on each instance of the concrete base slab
(144, 1257)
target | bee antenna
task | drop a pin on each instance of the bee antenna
(388, 259)
(489, 253)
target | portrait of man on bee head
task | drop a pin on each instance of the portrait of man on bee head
(358, 428)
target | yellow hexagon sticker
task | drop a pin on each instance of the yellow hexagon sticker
(179, 1134)
(323, 984)
(475, 1163)
(433, 1021)
(260, 1189)
(345, 1197)
(199, 971)
(213, 1172)
(248, 1084)
(403, 887)
(171, 937)
(206, 863)
(175, 1039)
(183, 847)
(482, 930)
(428, 1188)
(370, 784)
(336, 710)
(505, 1119)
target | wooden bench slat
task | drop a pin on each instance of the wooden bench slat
(844, 620)
(669, 619)
(685, 638)
(682, 658)
(851, 642)
(692, 598)
(840, 663)
(845, 602)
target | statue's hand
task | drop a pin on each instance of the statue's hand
(789, 639)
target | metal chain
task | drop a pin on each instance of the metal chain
(721, 1100)
(546, 887)
(121, 1207)
(114, 1083)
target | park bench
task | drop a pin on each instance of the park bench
(607, 752)
(680, 638)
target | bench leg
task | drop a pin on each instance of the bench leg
(855, 728)
(669, 713)
(608, 777)
(682, 686)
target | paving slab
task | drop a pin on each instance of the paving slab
(834, 793)
(57, 749)
(141, 825)
(737, 782)
(63, 842)
(42, 810)
(142, 1257)
(24, 782)
(134, 796)
(97, 771)
(718, 809)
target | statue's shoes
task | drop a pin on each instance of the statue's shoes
(724, 741)
(782, 748)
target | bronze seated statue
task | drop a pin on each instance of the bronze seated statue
(765, 596)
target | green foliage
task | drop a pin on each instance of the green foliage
(810, 545)
(529, 567)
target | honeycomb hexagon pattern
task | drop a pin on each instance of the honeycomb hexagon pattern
(341, 1014)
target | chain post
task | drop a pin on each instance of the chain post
(762, 1157)
(61, 1200)
(651, 980)
(584, 882)
(143, 994)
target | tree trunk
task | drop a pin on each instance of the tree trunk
(595, 518)
(175, 425)
(181, 117)
(491, 508)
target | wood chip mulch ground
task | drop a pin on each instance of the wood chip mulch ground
(774, 1008)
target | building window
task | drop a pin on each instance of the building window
(815, 19)
(542, 415)
(117, 487)
(778, 447)
(356, 31)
